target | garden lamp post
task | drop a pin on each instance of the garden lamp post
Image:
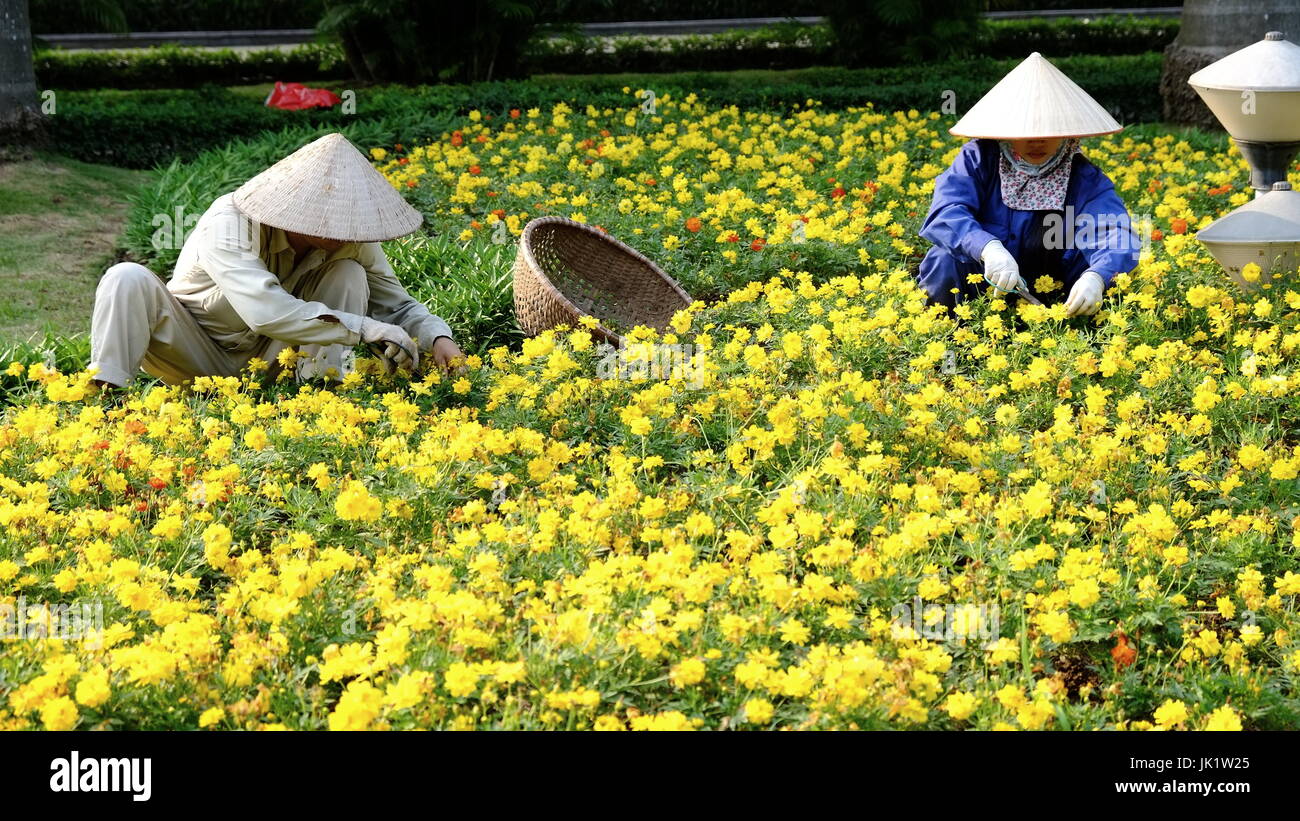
(1265, 231)
(1255, 93)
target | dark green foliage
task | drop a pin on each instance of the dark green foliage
(77, 16)
(177, 67)
(140, 129)
(890, 32)
(781, 46)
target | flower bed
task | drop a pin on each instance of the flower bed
(853, 513)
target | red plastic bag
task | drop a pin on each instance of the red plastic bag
(296, 96)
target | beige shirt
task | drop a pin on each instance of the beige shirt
(236, 276)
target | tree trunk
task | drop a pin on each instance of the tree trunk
(1211, 30)
(20, 115)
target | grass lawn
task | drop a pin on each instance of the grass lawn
(60, 219)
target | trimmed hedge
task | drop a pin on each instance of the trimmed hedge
(1056, 36)
(784, 46)
(798, 46)
(140, 129)
(180, 67)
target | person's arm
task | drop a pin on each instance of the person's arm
(1115, 246)
(390, 302)
(951, 222)
(229, 255)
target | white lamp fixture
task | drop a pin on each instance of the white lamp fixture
(1265, 231)
(1255, 93)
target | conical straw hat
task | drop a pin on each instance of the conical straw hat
(328, 189)
(1035, 100)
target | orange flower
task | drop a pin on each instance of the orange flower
(838, 192)
(1157, 235)
(474, 169)
(1179, 226)
(514, 113)
(500, 213)
(456, 138)
(1123, 653)
(693, 224)
(757, 245)
(733, 238)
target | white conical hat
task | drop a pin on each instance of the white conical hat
(1035, 100)
(328, 189)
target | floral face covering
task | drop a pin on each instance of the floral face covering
(1029, 187)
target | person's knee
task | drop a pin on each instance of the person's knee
(347, 271)
(343, 280)
(939, 274)
(128, 275)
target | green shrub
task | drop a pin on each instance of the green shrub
(1057, 36)
(782, 46)
(787, 45)
(141, 129)
(179, 67)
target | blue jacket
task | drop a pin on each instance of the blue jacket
(967, 212)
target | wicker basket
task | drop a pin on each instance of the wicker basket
(565, 270)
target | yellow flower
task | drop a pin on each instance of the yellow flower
(960, 706)
(358, 707)
(1171, 713)
(460, 679)
(92, 688)
(211, 716)
(688, 671)
(355, 503)
(1224, 718)
(758, 711)
(59, 714)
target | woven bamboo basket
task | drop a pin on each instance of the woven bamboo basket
(565, 270)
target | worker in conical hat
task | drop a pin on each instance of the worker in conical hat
(1021, 202)
(290, 258)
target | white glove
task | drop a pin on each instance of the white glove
(1085, 296)
(391, 344)
(1000, 268)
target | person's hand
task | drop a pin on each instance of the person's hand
(1085, 296)
(391, 344)
(443, 352)
(1000, 268)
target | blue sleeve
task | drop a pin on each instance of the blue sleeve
(1114, 247)
(951, 222)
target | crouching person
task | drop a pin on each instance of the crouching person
(290, 259)
(1021, 201)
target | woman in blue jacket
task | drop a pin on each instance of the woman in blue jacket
(1020, 201)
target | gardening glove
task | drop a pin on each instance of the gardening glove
(1085, 296)
(391, 344)
(1000, 268)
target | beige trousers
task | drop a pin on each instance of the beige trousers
(138, 324)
